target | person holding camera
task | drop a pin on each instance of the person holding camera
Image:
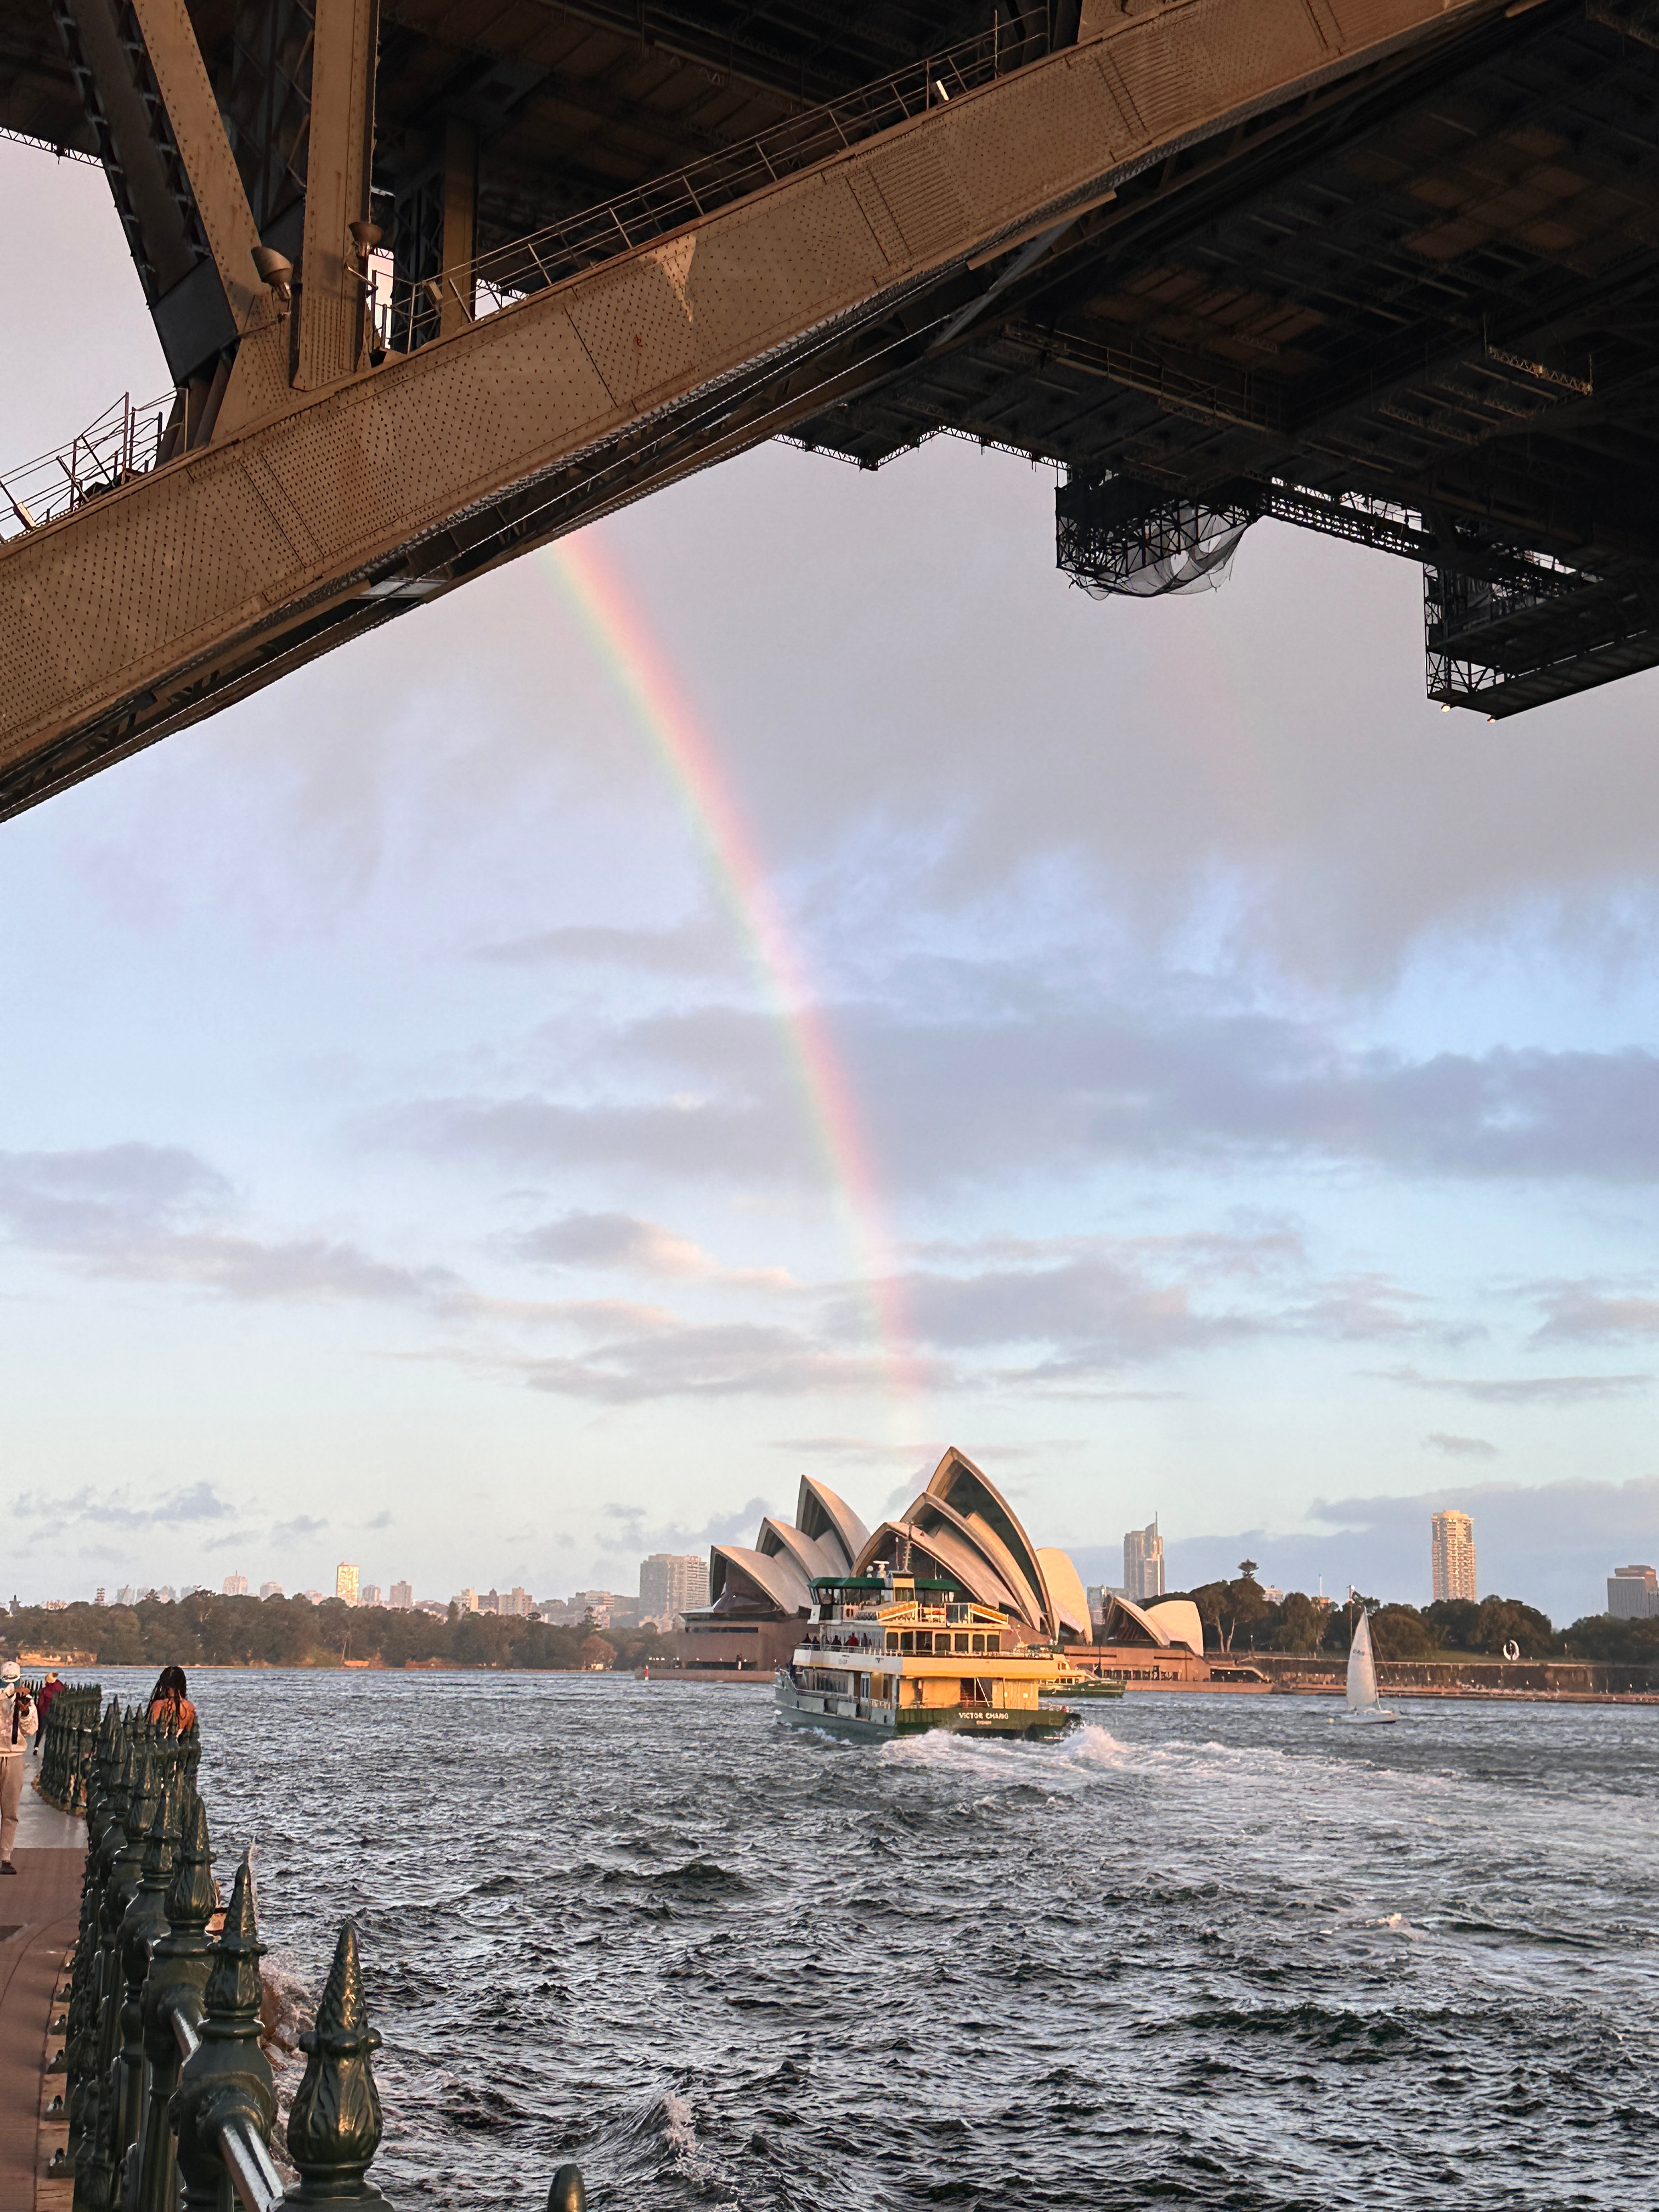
(18, 1723)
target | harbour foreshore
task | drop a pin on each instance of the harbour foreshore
(1267, 1673)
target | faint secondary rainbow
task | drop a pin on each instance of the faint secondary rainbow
(617, 630)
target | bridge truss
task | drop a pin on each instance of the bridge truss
(438, 279)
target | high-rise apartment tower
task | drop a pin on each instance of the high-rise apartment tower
(401, 1598)
(345, 1583)
(1633, 1594)
(672, 1582)
(1143, 1562)
(1451, 1552)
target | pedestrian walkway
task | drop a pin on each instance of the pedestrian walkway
(39, 1915)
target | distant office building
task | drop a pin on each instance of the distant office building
(468, 1600)
(235, 1586)
(1143, 1562)
(672, 1582)
(345, 1583)
(369, 1594)
(1451, 1552)
(99, 1600)
(270, 1589)
(311, 1597)
(518, 1603)
(401, 1597)
(126, 1594)
(1633, 1594)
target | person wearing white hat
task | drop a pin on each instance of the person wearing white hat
(18, 1722)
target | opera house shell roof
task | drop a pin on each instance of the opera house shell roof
(961, 1530)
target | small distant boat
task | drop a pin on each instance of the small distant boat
(1079, 1682)
(1363, 1703)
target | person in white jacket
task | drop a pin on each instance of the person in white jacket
(18, 1722)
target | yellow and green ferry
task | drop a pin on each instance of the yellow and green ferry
(889, 1655)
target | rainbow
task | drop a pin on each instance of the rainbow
(617, 631)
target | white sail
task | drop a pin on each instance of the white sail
(1362, 1669)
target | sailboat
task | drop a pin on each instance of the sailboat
(1363, 1704)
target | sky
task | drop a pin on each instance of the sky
(785, 985)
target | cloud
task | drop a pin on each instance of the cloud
(625, 1241)
(196, 1505)
(301, 1525)
(92, 1200)
(733, 1359)
(1582, 1313)
(1457, 1447)
(1517, 1390)
(698, 948)
(958, 1093)
(130, 1214)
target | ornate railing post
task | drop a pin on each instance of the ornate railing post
(334, 2127)
(225, 2095)
(179, 1963)
(94, 2159)
(81, 2050)
(142, 1927)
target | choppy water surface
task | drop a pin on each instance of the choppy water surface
(1209, 1952)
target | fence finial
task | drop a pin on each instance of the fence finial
(334, 2128)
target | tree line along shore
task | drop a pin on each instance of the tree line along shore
(1238, 1616)
(207, 1631)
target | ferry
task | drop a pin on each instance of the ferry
(888, 1655)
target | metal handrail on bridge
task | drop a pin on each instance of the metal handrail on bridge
(127, 440)
(406, 311)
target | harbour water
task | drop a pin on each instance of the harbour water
(1209, 1952)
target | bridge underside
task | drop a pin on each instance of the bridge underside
(1385, 268)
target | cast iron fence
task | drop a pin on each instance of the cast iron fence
(170, 2098)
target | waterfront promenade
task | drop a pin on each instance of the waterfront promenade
(39, 1912)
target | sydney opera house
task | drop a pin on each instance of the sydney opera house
(960, 1530)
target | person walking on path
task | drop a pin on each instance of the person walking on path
(168, 1701)
(18, 1723)
(49, 1690)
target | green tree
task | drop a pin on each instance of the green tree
(1507, 1620)
(1400, 1631)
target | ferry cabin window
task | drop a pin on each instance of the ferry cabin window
(961, 1641)
(906, 1639)
(924, 1639)
(979, 1642)
(892, 1640)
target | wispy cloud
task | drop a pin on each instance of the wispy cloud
(1516, 1389)
(1457, 1447)
(623, 1241)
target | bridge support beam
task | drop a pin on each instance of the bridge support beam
(328, 318)
(174, 177)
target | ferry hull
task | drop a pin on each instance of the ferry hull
(842, 1717)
